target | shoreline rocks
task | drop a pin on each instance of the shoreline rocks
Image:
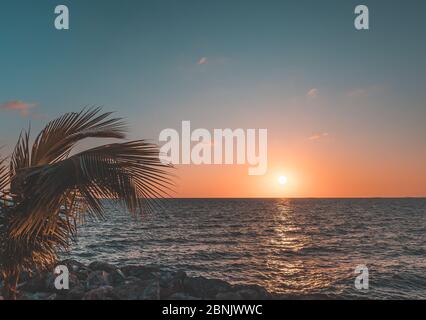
(103, 281)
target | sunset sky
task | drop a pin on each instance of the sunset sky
(345, 109)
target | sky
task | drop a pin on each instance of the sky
(345, 109)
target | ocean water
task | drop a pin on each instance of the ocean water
(304, 248)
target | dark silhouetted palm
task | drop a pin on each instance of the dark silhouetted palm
(45, 191)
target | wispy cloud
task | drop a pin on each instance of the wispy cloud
(19, 106)
(203, 60)
(318, 136)
(313, 93)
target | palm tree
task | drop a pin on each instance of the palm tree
(45, 191)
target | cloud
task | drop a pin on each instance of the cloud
(202, 61)
(20, 106)
(318, 136)
(313, 93)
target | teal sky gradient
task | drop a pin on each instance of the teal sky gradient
(141, 58)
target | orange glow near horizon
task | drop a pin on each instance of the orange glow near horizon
(322, 154)
(310, 173)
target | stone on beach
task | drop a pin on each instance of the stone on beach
(104, 281)
(101, 293)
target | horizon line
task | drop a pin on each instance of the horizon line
(224, 198)
(361, 197)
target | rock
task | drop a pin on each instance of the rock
(249, 294)
(73, 265)
(82, 275)
(101, 293)
(117, 277)
(97, 279)
(168, 291)
(76, 293)
(228, 296)
(131, 279)
(168, 278)
(103, 281)
(102, 266)
(35, 296)
(171, 282)
(181, 296)
(205, 288)
(252, 292)
(138, 290)
(141, 272)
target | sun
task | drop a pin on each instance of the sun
(282, 180)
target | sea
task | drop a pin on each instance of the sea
(300, 248)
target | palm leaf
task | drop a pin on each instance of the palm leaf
(57, 139)
(130, 173)
(4, 175)
(52, 191)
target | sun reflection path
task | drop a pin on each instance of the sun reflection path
(292, 269)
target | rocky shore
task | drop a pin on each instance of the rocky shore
(103, 281)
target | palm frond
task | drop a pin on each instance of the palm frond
(52, 191)
(56, 140)
(130, 173)
(4, 175)
(21, 156)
